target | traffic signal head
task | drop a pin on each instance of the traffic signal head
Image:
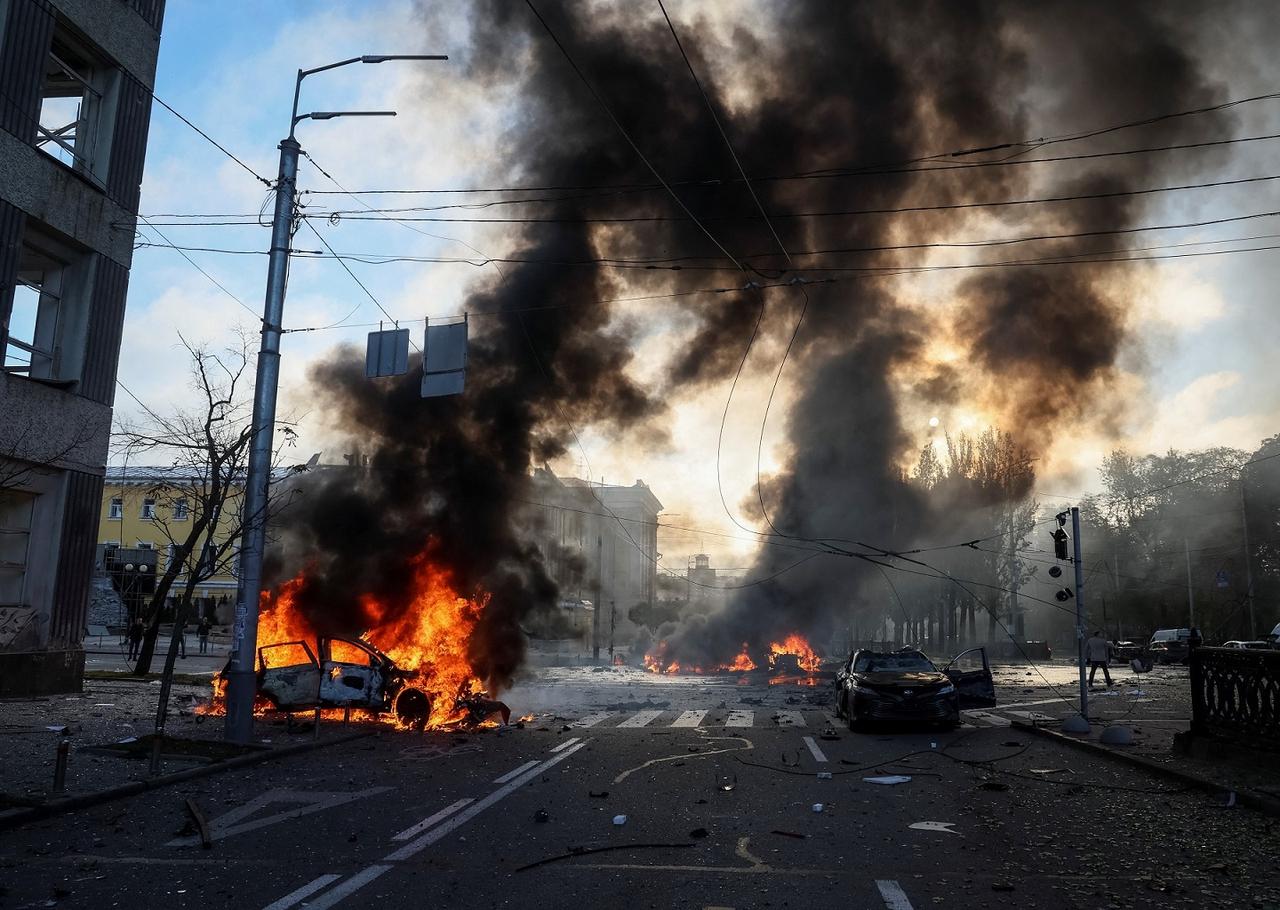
(1060, 539)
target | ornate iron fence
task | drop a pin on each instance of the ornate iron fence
(1236, 693)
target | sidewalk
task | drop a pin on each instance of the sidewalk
(115, 711)
(1155, 706)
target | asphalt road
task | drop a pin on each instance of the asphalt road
(718, 784)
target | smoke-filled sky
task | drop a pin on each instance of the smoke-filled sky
(1075, 360)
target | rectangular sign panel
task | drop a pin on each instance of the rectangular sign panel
(444, 359)
(387, 354)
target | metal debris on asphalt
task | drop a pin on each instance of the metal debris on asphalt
(888, 780)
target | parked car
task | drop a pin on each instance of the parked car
(1127, 650)
(905, 685)
(349, 673)
(1248, 645)
(1274, 637)
(1168, 646)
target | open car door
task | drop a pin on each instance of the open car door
(351, 675)
(970, 673)
(289, 675)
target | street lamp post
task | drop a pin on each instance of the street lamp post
(240, 677)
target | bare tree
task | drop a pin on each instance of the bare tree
(198, 496)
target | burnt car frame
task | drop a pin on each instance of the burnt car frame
(906, 686)
(357, 676)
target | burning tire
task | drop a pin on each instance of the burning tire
(413, 708)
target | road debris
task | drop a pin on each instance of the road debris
(699, 833)
(603, 794)
(587, 851)
(542, 816)
(944, 827)
(789, 834)
(818, 807)
(888, 780)
(619, 820)
(202, 823)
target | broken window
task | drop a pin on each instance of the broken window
(15, 536)
(77, 105)
(45, 330)
(116, 510)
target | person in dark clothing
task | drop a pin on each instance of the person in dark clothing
(202, 632)
(135, 637)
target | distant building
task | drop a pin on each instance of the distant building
(589, 532)
(75, 106)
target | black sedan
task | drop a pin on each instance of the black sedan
(906, 686)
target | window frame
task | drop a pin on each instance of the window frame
(115, 509)
(75, 68)
(147, 512)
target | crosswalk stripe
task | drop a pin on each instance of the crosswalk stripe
(689, 719)
(893, 896)
(814, 750)
(640, 719)
(789, 719)
(741, 719)
(592, 719)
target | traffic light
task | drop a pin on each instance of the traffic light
(1060, 539)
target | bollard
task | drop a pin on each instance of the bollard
(60, 766)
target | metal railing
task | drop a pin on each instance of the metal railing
(1236, 694)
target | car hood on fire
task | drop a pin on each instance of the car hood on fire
(899, 679)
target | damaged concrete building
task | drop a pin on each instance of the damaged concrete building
(75, 108)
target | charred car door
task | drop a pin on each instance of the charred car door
(970, 673)
(289, 675)
(351, 675)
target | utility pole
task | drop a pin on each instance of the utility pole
(1079, 561)
(1191, 595)
(595, 617)
(1248, 560)
(240, 671)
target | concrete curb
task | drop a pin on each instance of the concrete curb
(1247, 798)
(14, 818)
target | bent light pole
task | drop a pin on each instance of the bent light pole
(239, 673)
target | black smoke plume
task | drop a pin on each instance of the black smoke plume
(850, 95)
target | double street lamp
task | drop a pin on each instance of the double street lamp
(240, 675)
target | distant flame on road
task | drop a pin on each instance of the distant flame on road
(797, 646)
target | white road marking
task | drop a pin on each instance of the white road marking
(434, 819)
(790, 719)
(1032, 715)
(814, 750)
(475, 809)
(893, 896)
(740, 719)
(347, 888)
(515, 772)
(591, 719)
(641, 719)
(689, 719)
(566, 744)
(225, 825)
(296, 897)
(994, 720)
(1031, 704)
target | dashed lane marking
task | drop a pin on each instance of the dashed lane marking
(741, 719)
(438, 817)
(640, 719)
(564, 745)
(814, 750)
(689, 719)
(306, 802)
(515, 772)
(592, 719)
(298, 896)
(893, 896)
(347, 888)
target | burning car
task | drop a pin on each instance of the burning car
(349, 673)
(906, 686)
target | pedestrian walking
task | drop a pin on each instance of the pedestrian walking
(1096, 651)
(202, 632)
(135, 637)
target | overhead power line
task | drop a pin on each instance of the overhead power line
(214, 142)
(625, 135)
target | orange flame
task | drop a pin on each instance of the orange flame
(741, 663)
(796, 645)
(656, 662)
(429, 638)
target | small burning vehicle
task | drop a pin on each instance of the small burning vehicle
(349, 673)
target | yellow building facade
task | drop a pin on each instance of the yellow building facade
(152, 508)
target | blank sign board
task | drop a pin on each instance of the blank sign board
(387, 354)
(444, 359)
